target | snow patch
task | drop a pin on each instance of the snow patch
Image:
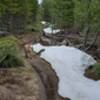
(37, 48)
(43, 22)
(69, 64)
(49, 30)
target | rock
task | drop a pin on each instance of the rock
(45, 41)
(64, 42)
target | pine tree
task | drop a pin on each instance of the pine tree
(59, 12)
(17, 14)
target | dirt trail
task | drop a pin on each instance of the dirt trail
(21, 84)
(48, 77)
(44, 69)
(46, 73)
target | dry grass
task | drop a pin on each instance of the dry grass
(19, 84)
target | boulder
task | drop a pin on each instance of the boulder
(45, 41)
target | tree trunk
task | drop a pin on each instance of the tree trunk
(10, 23)
(87, 22)
(86, 36)
(94, 41)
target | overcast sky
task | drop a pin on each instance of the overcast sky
(39, 1)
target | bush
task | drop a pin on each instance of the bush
(96, 69)
(9, 53)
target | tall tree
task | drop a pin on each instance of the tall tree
(17, 13)
(59, 12)
(65, 12)
(95, 21)
(47, 9)
(87, 16)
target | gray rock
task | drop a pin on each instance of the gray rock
(45, 41)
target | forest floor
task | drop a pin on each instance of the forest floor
(22, 83)
(36, 81)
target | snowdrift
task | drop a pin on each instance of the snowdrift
(49, 31)
(69, 64)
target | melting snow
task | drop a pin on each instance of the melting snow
(69, 64)
(43, 22)
(49, 30)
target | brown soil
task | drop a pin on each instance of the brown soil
(21, 84)
(28, 38)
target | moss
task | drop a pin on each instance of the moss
(96, 69)
(93, 72)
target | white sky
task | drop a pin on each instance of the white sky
(40, 1)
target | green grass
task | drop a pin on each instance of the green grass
(96, 69)
(9, 53)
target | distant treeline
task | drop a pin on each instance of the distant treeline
(77, 16)
(17, 15)
(71, 15)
